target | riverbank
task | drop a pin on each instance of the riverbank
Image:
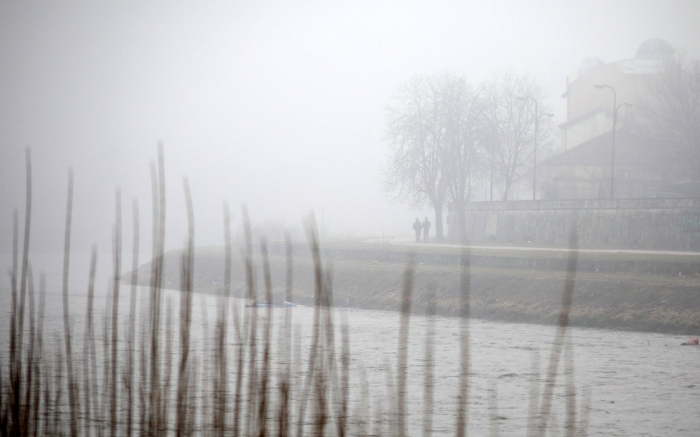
(612, 291)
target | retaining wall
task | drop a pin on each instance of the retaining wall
(662, 224)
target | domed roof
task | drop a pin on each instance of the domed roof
(588, 64)
(655, 48)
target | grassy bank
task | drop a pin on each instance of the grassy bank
(609, 299)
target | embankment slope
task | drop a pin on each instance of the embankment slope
(622, 296)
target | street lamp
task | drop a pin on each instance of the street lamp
(537, 120)
(612, 162)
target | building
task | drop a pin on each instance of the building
(583, 170)
(589, 111)
(575, 185)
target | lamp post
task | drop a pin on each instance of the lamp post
(612, 160)
(537, 120)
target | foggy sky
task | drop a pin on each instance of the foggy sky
(277, 104)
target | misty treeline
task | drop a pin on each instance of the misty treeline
(670, 116)
(149, 371)
(448, 137)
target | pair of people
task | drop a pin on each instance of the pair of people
(418, 227)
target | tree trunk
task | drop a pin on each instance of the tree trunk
(461, 225)
(506, 190)
(438, 223)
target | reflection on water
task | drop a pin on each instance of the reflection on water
(640, 384)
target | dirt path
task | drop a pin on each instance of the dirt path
(397, 242)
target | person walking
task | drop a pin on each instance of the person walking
(426, 229)
(417, 226)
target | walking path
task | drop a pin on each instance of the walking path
(410, 242)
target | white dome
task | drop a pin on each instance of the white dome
(654, 48)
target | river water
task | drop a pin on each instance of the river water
(638, 383)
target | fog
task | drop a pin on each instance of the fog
(280, 105)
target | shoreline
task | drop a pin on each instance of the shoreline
(612, 299)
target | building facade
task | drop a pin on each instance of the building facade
(585, 169)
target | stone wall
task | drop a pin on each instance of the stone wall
(661, 224)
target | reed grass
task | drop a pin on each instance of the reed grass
(156, 380)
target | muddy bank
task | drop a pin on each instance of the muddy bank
(610, 300)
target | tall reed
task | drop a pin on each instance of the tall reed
(163, 376)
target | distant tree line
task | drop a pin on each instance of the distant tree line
(448, 137)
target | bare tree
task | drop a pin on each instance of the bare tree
(464, 163)
(445, 134)
(416, 137)
(510, 127)
(671, 116)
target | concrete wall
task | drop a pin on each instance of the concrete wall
(663, 224)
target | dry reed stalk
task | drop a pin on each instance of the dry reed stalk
(325, 375)
(534, 396)
(38, 382)
(220, 359)
(14, 293)
(89, 352)
(153, 380)
(239, 366)
(57, 380)
(282, 415)
(560, 334)
(192, 424)
(428, 370)
(391, 397)
(285, 339)
(344, 378)
(265, 376)
(144, 385)
(72, 393)
(129, 377)
(9, 415)
(570, 422)
(205, 352)
(29, 362)
(193, 406)
(403, 345)
(251, 328)
(25, 265)
(160, 424)
(103, 418)
(17, 311)
(219, 379)
(115, 313)
(167, 379)
(314, 349)
(40, 353)
(464, 292)
(362, 416)
(7, 411)
(224, 375)
(297, 384)
(187, 272)
(46, 389)
(4, 401)
(153, 407)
